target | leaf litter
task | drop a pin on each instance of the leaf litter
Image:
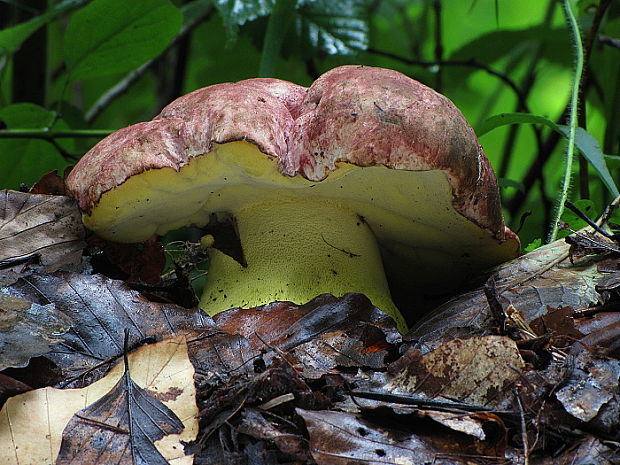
(526, 371)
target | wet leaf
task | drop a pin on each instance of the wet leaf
(41, 229)
(31, 424)
(254, 424)
(141, 263)
(288, 325)
(586, 451)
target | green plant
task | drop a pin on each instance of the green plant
(76, 70)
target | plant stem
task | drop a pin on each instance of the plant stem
(588, 43)
(50, 135)
(572, 118)
(277, 26)
(472, 63)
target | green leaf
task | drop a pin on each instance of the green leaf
(25, 160)
(12, 38)
(586, 207)
(194, 10)
(536, 243)
(337, 28)
(505, 182)
(26, 115)
(235, 13)
(614, 221)
(114, 36)
(584, 141)
(491, 47)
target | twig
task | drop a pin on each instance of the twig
(418, 401)
(572, 207)
(123, 85)
(588, 43)
(526, 453)
(438, 44)
(472, 63)
(609, 41)
(51, 135)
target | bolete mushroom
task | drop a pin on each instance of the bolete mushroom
(321, 182)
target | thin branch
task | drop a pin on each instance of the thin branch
(588, 43)
(526, 87)
(123, 85)
(438, 44)
(609, 41)
(51, 135)
(471, 63)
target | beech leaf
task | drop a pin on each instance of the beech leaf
(32, 424)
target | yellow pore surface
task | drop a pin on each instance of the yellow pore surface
(410, 213)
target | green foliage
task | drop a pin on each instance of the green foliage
(111, 63)
(584, 141)
(113, 36)
(235, 13)
(533, 245)
(573, 220)
(25, 160)
(337, 28)
(11, 38)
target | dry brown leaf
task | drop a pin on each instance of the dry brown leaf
(478, 370)
(287, 325)
(34, 228)
(31, 424)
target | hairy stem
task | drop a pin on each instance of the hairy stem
(572, 118)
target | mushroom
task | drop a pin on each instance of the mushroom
(326, 185)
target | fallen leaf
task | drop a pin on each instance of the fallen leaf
(26, 330)
(119, 428)
(141, 263)
(287, 325)
(50, 183)
(35, 228)
(338, 438)
(592, 383)
(31, 424)
(531, 284)
(97, 310)
(586, 451)
(479, 371)
(254, 424)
